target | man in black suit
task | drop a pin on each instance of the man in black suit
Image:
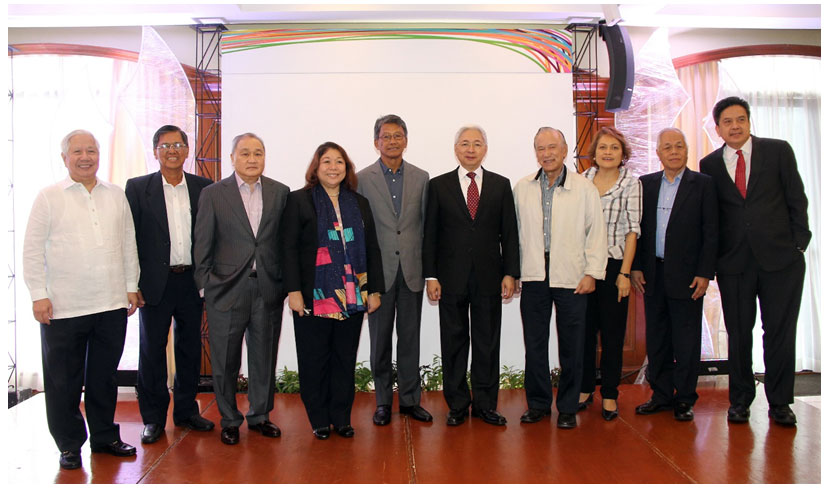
(764, 231)
(673, 265)
(164, 205)
(238, 266)
(470, 260)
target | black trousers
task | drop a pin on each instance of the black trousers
(480, 332)
(77, 352)
(536, 305)
(326, 350)
(606, 317)
(402, 307)
(180, 301)
(779, 293)
(673, 335)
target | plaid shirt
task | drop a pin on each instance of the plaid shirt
(621, 208)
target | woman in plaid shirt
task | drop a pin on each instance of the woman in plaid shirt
(621, 197)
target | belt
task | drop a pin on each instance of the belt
(180, 268)
(253, 274)
(660, 260)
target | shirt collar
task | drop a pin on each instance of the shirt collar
(166, 183)
(677, 178)
(68, 182)
(746, 148)
(385, 170)
(463, 172)
(241, 182)
(560, 180)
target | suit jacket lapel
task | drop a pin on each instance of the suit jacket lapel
(267, 202)
(157, 201)
(377, 180)
(756, 164)
(456, 189)
(236, 204)
(682, 193)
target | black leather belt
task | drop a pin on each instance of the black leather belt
(180, 268)
(253, 274)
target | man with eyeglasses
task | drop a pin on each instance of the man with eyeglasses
(471, 263)
(397, 191)
(164, 207)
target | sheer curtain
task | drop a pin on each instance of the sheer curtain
(784, 95)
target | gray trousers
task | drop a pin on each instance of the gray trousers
(404, 307)
(248, 318)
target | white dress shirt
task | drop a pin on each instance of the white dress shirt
(179, 217)
(730, 158)
(79, 250)
(464, 180)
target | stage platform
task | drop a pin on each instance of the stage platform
(631, 449)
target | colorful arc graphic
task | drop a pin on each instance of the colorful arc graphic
(550, 49)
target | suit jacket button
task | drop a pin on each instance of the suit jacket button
(398, 232)
(397, 253)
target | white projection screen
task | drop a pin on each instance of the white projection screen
(296, 96)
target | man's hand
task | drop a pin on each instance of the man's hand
(295, 300)
(623, 287)
(638, 281)
(586, 285)
(700, 286)
(141, 301)
(132, 297)
(508, 286)
(373, 302)
(42, 311)
(434, 290)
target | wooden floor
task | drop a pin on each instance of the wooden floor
(631, 449)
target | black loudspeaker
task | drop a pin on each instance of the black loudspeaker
(621, 60)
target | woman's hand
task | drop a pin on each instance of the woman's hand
(296, 302)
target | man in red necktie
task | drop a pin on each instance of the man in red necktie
(764, 231)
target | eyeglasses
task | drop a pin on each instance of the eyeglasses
(398, 137)
(166, 146)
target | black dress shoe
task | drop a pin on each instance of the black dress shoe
(583, 405)
(151, 433)
(230, 435)
(116, 448)
(609, 415)
(322, 433)
(566, 421)
(382, 415)
(196, 422)
(651, 406)
(267, 429)
(683, 411)
(533, 415)
(491, 417)
(456, 417)
(70, 459)
(417, 412)
(738, 414)
(345, 431)
(783, 415)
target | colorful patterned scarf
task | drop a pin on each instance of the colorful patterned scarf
(340, 272)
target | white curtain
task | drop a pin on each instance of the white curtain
(784, 95)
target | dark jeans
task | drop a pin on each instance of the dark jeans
(77, 352)
(606, 317)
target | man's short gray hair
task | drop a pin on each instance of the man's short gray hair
(237, 139)
(470, 127)
(64, 144)
(388, 119)
(669, 129)
(549, 129)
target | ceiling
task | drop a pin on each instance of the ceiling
(697, 15)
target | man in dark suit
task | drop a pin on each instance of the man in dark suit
(764, 231)
(397, 191)
(164, 206)
(470, 260)
(673, 265)
(237, 264)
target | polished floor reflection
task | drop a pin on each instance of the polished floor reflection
(631, 449)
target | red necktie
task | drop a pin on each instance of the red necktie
(472, 196)
(740, 173)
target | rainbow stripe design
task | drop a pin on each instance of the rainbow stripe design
(550, 49)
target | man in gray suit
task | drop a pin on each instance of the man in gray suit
(238, 270)
(397, 191)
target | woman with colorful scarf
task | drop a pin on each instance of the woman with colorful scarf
(333, 274)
